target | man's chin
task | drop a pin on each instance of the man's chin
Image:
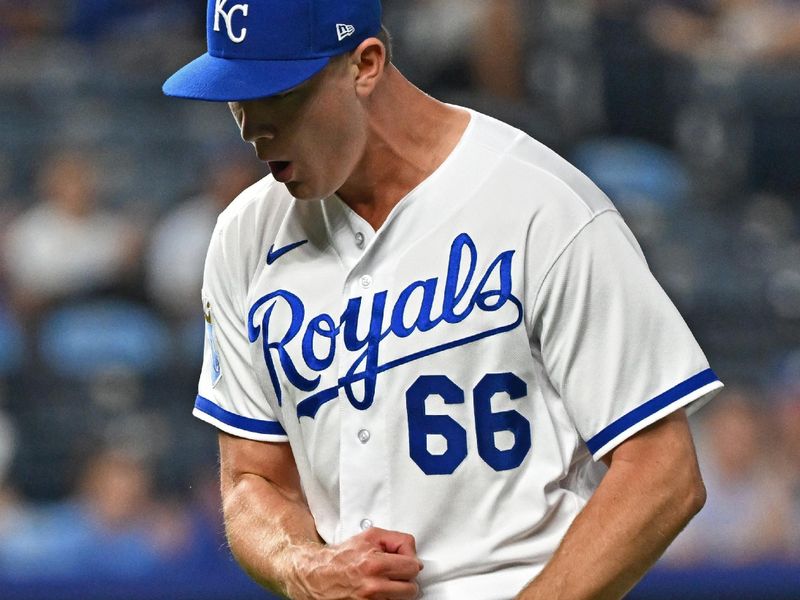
(300, 191)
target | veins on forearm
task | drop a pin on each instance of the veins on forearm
(265, 527)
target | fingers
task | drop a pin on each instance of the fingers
(380, 575)
(374, 565)
(391, 590)
(397, 567)
(393, 542)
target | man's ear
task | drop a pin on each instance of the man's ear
(369, 62)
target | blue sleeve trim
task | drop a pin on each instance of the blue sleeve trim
(239, 422)
(651, 407)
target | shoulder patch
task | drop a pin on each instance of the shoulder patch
(216, 368)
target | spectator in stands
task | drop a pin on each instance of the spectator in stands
(746, 517)
(11, 509)
(113, 526)
(744, 31)
(733, 62)
(788, 426)
(468, 44)
(634, 73)
(67, 245)
(176, 254)
(481, 54)
(23, 19)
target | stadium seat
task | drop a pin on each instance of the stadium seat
(631, 170)
(82, 341)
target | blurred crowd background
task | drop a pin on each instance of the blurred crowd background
(686, 112)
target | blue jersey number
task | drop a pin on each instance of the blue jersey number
(487, 423)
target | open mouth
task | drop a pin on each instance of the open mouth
(281, 170)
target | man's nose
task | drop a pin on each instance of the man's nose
(254, 129)
(261, 144)
(253, 134)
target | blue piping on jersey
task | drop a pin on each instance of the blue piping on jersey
(651, 407)
(205, 405)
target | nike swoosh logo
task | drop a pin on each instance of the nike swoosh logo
(274, 255)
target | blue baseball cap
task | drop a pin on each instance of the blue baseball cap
(259, 48)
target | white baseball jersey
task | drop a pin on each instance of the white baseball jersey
(456, 374)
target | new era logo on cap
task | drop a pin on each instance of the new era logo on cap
(344, 31)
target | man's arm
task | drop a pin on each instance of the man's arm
(651, 491)
(273, 536)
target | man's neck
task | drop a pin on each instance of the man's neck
(410, 136)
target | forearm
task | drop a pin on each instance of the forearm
(628, 523)
(268, 530)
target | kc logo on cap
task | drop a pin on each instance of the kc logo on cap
(260, 48)
(219, 11)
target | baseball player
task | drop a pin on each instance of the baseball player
(435, 354)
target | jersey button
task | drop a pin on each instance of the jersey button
(365, 524)
(363, 436)
(360, 239)
(366, 282)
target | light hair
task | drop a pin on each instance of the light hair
(386, 38)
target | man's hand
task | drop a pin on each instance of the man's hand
(273, 536)
(374, 565)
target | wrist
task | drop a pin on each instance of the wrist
(300, 565)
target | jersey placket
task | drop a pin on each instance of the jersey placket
(363, 443)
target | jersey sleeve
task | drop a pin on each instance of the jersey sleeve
(613, 345)
(229, 395)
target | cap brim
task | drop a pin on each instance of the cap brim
(233, 80)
